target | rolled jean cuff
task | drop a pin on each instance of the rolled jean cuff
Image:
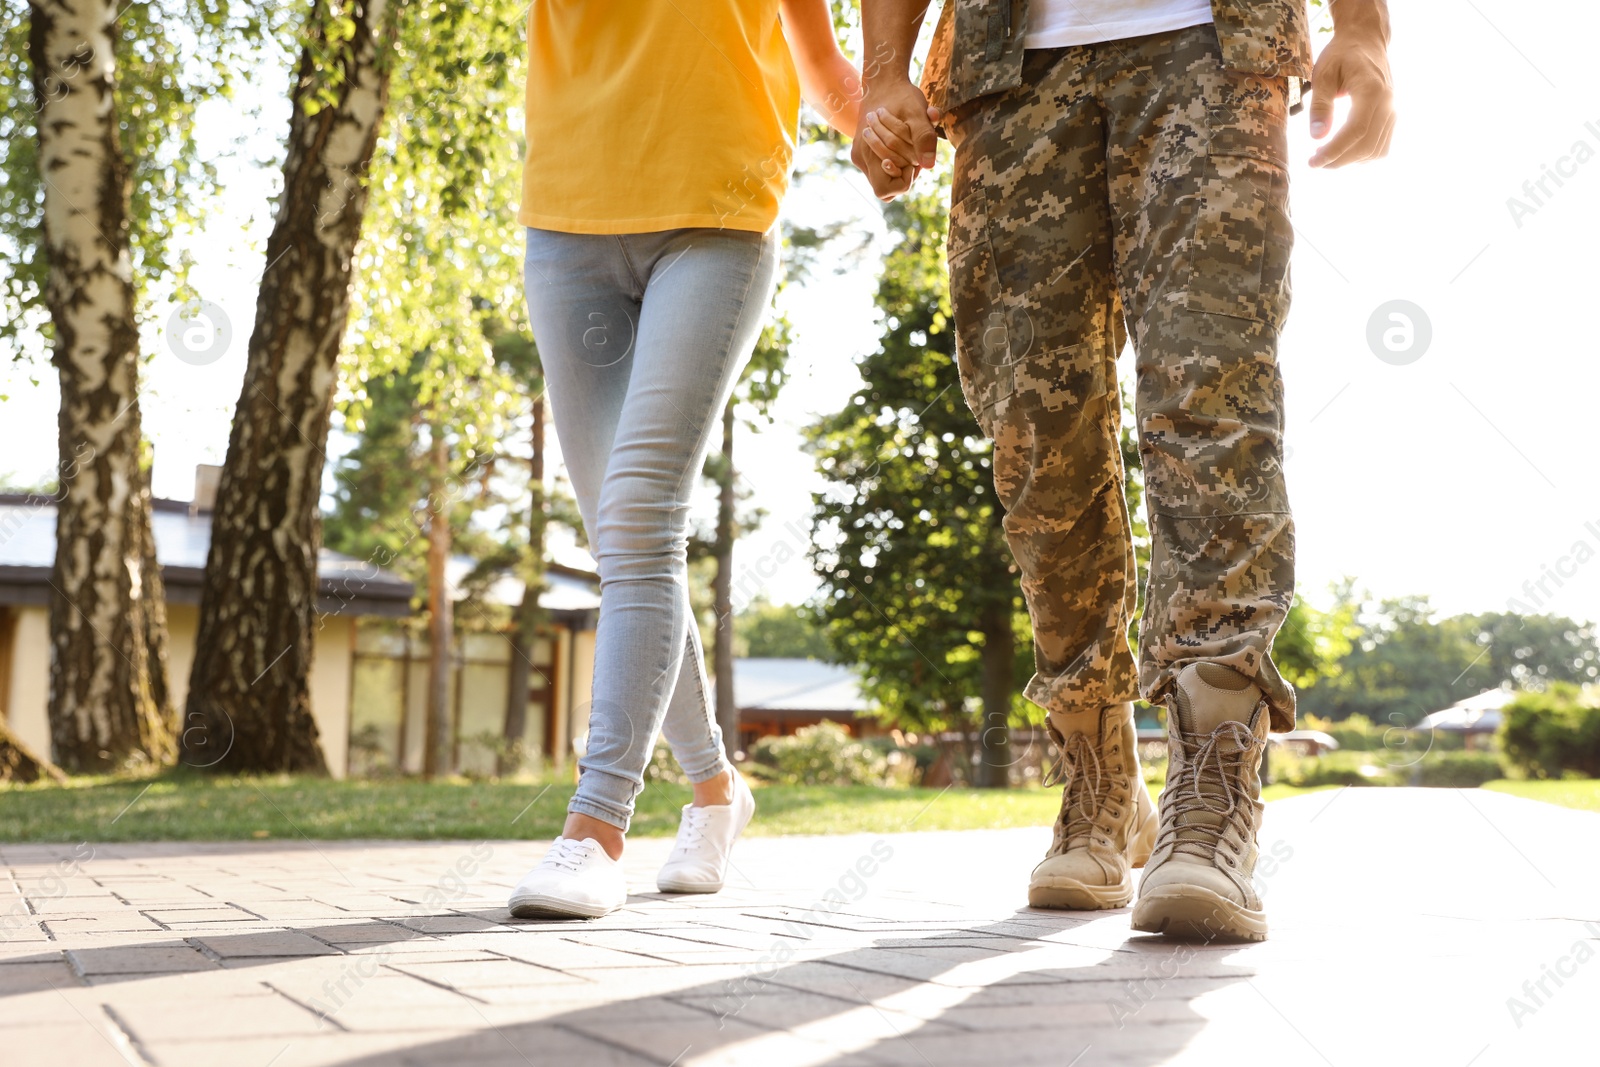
(717, 769)
(603, 796)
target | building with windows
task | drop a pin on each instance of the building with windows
(369, 671)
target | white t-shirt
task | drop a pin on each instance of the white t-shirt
(1058, 23)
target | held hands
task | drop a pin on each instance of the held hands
(1355, 64)
(896, 140)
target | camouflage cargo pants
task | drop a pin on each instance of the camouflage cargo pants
(1136, 186)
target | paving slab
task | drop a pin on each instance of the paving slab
(1431, 927)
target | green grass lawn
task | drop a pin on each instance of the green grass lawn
(1568, 792)
(191, 807)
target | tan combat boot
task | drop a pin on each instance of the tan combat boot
(1198, 882)
(1107, 824)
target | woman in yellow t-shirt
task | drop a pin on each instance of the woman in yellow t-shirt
(660, 136)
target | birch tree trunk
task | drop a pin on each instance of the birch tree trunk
(249, 688)
(106, 686)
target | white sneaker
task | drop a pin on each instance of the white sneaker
(699, 860)
(574, 880)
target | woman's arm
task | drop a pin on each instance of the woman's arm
(828, 81)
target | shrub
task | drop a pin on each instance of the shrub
(1357, 733)
(1458, 770)
(1547, 734)
(1334, 768)
(663, 768)
(824, 754)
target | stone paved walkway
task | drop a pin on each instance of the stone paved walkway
(1414, 927)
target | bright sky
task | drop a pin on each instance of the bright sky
(1467, 474)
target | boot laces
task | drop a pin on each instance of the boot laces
(1085, 788)
(1211, 779)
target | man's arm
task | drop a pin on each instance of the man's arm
(888, 34)
(1355, 64)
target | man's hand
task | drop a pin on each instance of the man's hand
(1354, 64)
(896, 138)
(892, 140)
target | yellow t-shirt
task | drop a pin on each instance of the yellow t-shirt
(648, 115)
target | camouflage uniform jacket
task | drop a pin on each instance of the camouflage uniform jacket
(977, 45)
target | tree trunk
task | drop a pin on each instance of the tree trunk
(993, 769)
(18, 763)
(722, 595)
(525, 626)
(251, 677)
(104, 682)
(441, 618)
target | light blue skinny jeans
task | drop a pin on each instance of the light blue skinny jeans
(643, 337)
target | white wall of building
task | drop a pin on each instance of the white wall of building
(28, 701)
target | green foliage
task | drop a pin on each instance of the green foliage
(1403, 662)
(780, 631)
(663, 768)
(824, 754)
(1391, 767)
(439, 345)
(439, 270)
(378, 483)
(1311, 644)
(1552, 733)
(171, 57)
(1332, 768)
(1360, 734)
(1459, 770)
(908, 543)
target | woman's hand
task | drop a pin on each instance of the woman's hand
(891, 140)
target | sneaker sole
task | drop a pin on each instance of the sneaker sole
(688, 887)
(1077, 896)
(539, 906)
(1192, 913)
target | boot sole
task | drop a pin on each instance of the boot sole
(1192, 913)
(1076, 896)
(539, 906)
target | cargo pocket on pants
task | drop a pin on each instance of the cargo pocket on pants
(983, 341)
(1239, 249)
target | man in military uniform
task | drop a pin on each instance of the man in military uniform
(1121, 168)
